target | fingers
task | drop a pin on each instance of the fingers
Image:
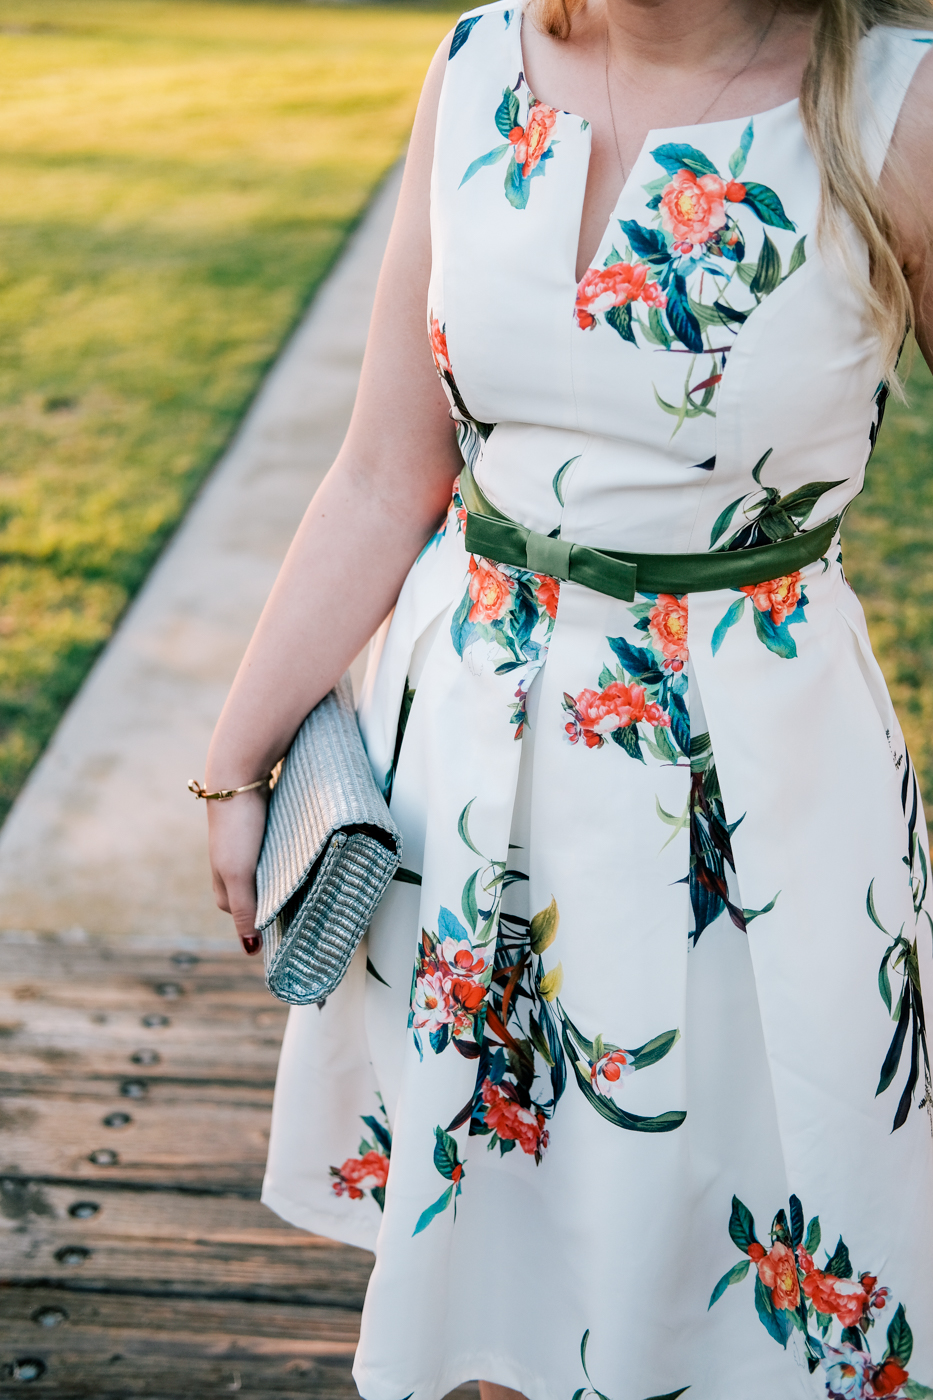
(236, 829)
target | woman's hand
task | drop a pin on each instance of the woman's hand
(235, 830)
(380, 502)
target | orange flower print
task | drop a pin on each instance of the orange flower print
(506, 1117)
(360, 1174)
(533, 139)
(547, 592)
(693, 209)
(490, 590)
(597, 713)
(837, 1297)
(601, 288)
(779, 596)
(778, 1271)
(611, 1066)
(667, 624)
(439, 347)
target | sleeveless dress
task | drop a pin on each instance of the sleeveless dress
(629, 1088)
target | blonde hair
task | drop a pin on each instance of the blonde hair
(828, 100)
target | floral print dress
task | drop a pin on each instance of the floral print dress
(629, 1088)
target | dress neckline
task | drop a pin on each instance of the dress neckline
(651, 135)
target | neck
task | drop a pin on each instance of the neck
(672, 35)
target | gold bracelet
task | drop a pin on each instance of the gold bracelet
(225, 793)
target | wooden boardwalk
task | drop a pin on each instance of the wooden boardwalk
(135, 1257)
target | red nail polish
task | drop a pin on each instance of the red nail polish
(252, 943)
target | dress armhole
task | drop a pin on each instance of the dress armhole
(889, 58)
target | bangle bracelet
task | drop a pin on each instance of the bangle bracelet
(225, 793)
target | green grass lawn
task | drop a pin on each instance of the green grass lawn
(888, 555)
(175, 179)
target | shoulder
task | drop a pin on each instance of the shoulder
(486, 24)
(909, 157)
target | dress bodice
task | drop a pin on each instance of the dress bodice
(710, 332)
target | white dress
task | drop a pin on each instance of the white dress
(647, 1040)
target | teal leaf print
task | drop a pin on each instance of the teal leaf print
(449, 926)
(447, 1162)
(775, 635)
(729, 620)
(440, 1205)
(740, 154)
(796, 1221)
(461, 34)
(814, 1235)
(750, 914)
(490, 158)
(775, 1322)
(766, 204)
(734, 1275)
(674, 157)
(648, 244)
(558, 482)
(683, 322)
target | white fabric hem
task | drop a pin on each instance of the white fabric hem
(497, 1370)
(318, 1222)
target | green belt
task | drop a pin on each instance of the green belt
(495, 536)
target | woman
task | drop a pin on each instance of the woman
(646, 1072)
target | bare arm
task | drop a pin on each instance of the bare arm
(379, 503)
(906, 185)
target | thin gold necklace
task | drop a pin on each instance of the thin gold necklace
(709, 106)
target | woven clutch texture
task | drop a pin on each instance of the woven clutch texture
(329, 851)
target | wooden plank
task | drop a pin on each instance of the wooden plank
(194, 1347)
(170, 1280)
(81, 1012)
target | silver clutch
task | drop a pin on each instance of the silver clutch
(329, 851)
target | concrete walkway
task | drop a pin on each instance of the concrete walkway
(104, 836)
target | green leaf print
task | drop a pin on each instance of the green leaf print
(740, 154)
(558, 483)
(797, 258)
(590, 1389)
(839, 1264)
(768, 272)
(814, 1234)
(446, 1158)
(723, 521)
(463, 829)
(900, 1338)
(734, 1275)
(620, 319)
(742, 1225)
(507, 112)
(913, 1390)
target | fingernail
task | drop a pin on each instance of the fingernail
(252, 942)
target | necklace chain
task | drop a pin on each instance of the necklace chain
(709, 106)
